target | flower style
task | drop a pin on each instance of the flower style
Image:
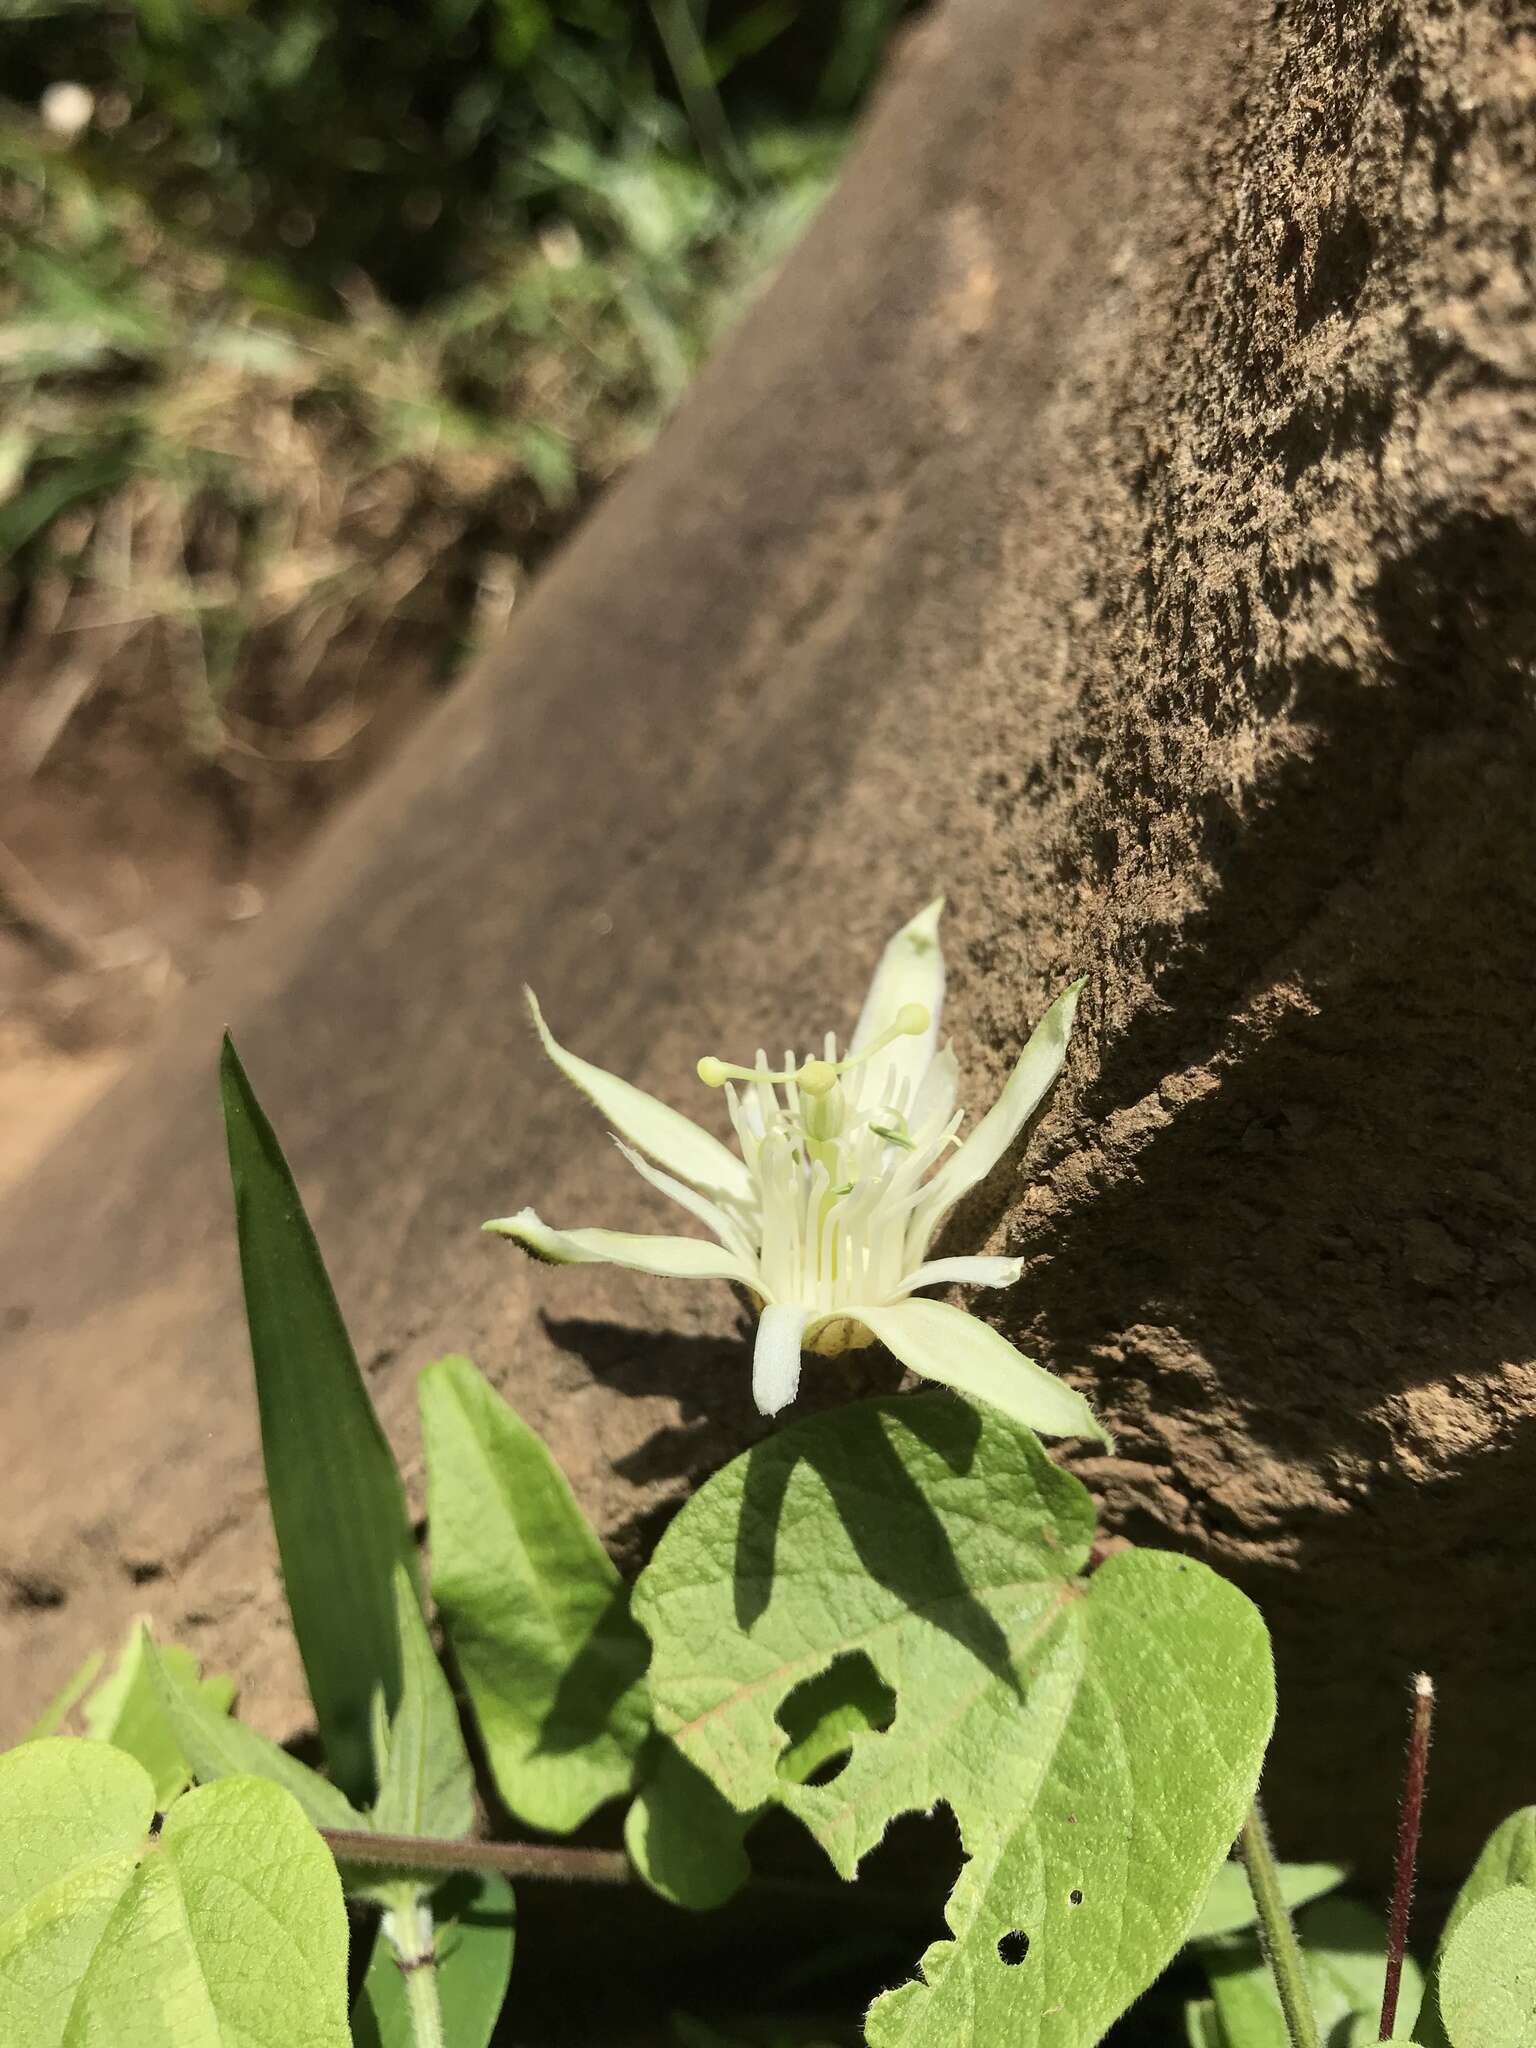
(846, 1169)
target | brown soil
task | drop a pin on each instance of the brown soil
(1123, 514)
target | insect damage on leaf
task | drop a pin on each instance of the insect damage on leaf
(898, 1586)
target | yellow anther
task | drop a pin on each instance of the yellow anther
(715, 1073)
(817, 1077)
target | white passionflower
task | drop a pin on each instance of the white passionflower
(844, 1171)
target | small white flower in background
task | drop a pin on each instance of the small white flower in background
(846, 1170)
(65, 108)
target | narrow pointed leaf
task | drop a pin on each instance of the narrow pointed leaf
(533, 1606)
(476, 1928)
(427, 1784)
(1097, 1740)
(337, 1503)
(217, 1747)
(68, 1697)
(126, 1709)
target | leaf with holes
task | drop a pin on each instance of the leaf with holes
(1508, 1858)
(1098, 1740)
(228, 1929)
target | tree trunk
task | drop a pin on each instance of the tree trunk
(1122, 516)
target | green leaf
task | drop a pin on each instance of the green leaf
(337, 1504)
(217, 1747)
(126, 1709)
(1202, 2028)
(476, 1922)
(1343, 1943)
(682, 1837)
(427, 1783)
(1229, 1907)
(1098, 1742)
(1508, 1858)
(533, 1606)
(227, 1932)
(64, 1701)
(1487, 1975)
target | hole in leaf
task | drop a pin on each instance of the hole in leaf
(1074, 1897)
(1013, 1947)
(822, 1715)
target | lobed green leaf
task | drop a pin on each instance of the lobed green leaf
(1098, 1741)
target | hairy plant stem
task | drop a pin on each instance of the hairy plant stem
(1277, 1937)
(408, 1927)
(1414, 1774)
(512, 1859)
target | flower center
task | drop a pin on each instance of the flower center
(837, 1169)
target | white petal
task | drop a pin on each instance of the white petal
(1038, 1065)
(977, 1272)
(776, 1355)
(673, 1258)
(944, 1343)
(911, 970)
(710, 1214)
(935, 1102)
(672, 1139)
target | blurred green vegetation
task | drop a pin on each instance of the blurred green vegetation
(321, 319)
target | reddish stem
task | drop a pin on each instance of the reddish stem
(1407, 1845)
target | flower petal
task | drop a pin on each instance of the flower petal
(911, 970)
(673, 1258)
(977, 1272)
(944, 1343)
(730, 1233)
(1038, 1065)
(672, 1139)
(776, 1355)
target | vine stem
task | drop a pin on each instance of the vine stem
(1414, 1774)
(1277, 1937)
(512, 1859)
(409, 1928)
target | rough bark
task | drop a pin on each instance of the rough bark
(1122, 514)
